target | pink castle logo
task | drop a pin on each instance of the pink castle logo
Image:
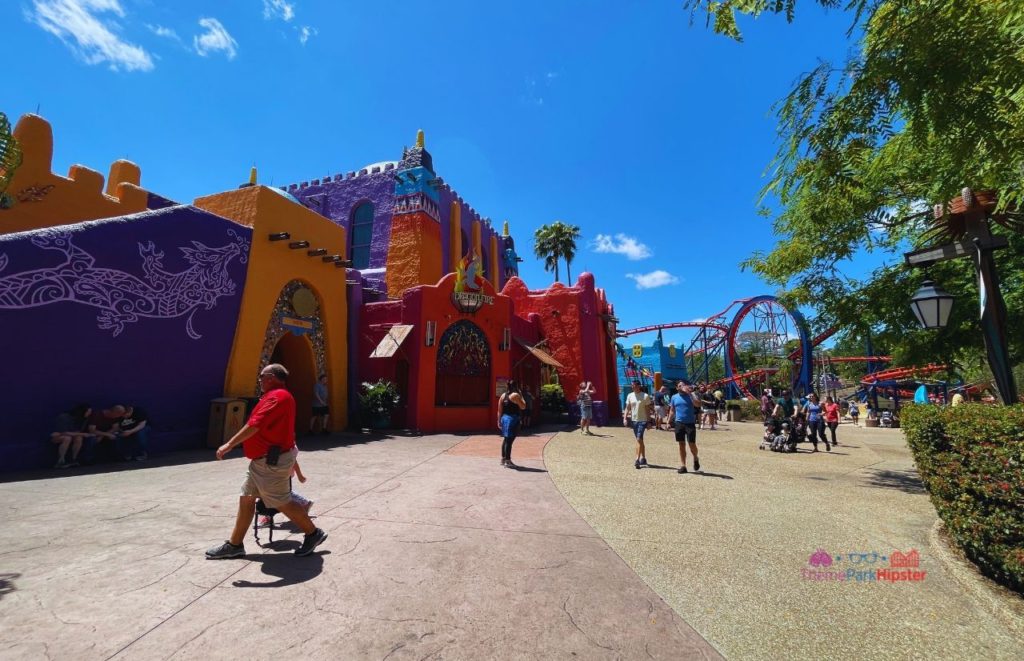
(911, 559)
(820, 558)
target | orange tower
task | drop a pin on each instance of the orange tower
(414, 254)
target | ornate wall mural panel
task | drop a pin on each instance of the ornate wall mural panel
(124, 298)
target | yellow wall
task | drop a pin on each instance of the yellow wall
(45, 199)
(272, 265)
(493, 266)
(455, 237)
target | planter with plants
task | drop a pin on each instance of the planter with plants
(377, 401)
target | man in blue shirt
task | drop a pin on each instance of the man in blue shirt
(684, 421)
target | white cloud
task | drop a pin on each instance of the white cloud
(161, 31)
(621, 245)
(216, 38)
(653, 279)
(278, 9)
(77, 24)
(305, 32)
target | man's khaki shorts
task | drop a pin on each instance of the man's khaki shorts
(271, 483)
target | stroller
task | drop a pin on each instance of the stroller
(265, 514)
(785, 441)
(772, 427)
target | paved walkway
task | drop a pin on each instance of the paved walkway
(727, 548)
(435, 551)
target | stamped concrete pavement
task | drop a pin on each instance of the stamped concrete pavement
(435, 552)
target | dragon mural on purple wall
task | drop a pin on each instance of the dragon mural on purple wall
(122, 297)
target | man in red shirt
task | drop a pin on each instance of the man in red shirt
(268, 440)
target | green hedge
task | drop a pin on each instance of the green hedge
(551, 397)
(971, 459)
(750, 409)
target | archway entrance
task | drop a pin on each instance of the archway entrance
(296, 353)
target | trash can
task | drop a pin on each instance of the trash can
(227, 415)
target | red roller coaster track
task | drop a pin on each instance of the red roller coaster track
(746, 376)
(795, 354)
(678, 324)
(897, 373)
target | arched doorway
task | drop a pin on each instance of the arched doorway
(463, 366)
(296, 353)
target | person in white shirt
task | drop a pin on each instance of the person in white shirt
(635, 415)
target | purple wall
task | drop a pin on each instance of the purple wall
(337, 198)
(90, 319)
(466, 219)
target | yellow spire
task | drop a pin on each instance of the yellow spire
(252, 176)
(504, 229)
(420, 139)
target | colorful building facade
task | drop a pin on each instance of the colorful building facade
(118, 295)
(664, 363)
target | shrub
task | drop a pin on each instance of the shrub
(971, 460)
(552, 398)
(380, 398)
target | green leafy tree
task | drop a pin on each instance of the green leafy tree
(10, 158)
(930, 101)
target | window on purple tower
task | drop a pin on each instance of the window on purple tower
(362, 236)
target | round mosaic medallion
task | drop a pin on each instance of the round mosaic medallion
(304, 302)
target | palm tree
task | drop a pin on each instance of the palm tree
(555, 241)
(565, 239)
(544, 248)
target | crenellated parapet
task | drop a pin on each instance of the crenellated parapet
(39, 198)
(378, 169)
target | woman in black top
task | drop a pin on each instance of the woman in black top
(510, 404)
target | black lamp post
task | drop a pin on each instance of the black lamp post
(967, 225)
(931, 305)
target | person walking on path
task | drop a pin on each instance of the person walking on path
(767, 404)
(321, 409)
(585, 398)
(832, 417)
(683, 411)
(788, 405)
(815, 421)
(510, 407)
(527, 416)
(660, 400)
(268, 440)
(709, 406)
(635, 415)
(854, 413)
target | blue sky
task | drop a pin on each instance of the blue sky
(650, 134)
